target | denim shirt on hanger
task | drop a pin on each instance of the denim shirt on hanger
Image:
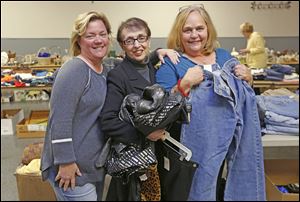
(225, 124)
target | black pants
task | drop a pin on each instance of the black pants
(220, 184)
(118, 191)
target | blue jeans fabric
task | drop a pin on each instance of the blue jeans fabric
(285, 69)
(87, 192)
(271, 117)
(282, 105)
(271, 132)
(225, 124)
(282, 129)
(268, 122)
(273, 75)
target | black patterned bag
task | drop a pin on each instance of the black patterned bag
(125, 160)
(155, 109)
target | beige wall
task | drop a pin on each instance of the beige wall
(55, 19)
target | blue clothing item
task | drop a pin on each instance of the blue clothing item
(168, 73)
(272, 118)
(41, 73)
(225, 124)
(86, 192)
(271, 132)
(273, 75)
(285, 69)
(282, 189)
(282, 105)
(275, 123)
(282, 129)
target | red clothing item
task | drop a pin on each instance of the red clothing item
(19, 83)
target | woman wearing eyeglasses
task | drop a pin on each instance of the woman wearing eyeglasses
(131, 76)
(224, 121)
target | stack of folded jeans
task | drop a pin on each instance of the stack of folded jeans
(273, 75)
(278, 114)
(285, 69)
(278, 71)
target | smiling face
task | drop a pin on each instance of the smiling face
(135, 43)
(94, 43)
(194, 34)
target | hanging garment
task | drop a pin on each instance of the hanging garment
(225, 124)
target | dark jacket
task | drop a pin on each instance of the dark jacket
(121, 81)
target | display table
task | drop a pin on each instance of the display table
(276, 84)
(280, 141)
(264, 85)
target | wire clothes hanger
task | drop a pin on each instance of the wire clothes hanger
(185, 153)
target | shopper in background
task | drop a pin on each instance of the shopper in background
(74, 139)
(131, 76)
(194, 36)
(256, 56)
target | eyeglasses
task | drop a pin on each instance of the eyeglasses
(131, 41)
(190, 7)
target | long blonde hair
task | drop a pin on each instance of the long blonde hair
(175, 35)
(80, 26)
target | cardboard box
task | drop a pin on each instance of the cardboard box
(35, 126)
(23, 132)
(281, 172)
(7, 96)
(19, 95)
(38, 120)
(32, 188)
(9, 120)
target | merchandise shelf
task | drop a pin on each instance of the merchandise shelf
(280, 140)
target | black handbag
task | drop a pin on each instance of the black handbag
(125, 160)
(155, 109)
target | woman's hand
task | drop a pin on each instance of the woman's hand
(192, 77)
(171, 53)
(243, 72)
(66, 174)
(156, 135)
(244, 51)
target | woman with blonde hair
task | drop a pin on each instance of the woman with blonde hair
(224, 121)
(74, 138)
(256, 56)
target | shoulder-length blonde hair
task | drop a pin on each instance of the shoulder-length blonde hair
(80, 26)
(175, 36)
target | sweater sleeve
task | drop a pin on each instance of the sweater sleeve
(153, 57)
(256, 44)
(167, 75)
(66, 92)
(111, 124)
